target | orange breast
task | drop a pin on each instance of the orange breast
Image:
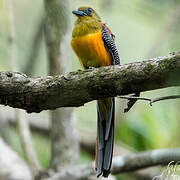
(91, 50)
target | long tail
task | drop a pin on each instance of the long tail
(105, 136)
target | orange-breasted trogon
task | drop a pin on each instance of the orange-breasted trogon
(94, 45)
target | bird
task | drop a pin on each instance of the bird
(93, 43)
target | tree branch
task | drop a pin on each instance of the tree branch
(123, 164)
(12, 166)
(26, 141)
(77, 88)
(64, 139)
(22, 123)
(151, 100)
(40, 123)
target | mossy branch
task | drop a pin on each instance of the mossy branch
(77, 88)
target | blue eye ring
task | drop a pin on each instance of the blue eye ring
(89, 11)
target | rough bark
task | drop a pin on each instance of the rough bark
(77, 88)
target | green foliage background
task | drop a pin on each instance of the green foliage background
(138, 25)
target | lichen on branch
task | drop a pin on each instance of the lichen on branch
(77, 88)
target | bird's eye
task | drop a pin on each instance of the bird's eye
(89, 11)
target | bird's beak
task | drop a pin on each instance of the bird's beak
(79, 13)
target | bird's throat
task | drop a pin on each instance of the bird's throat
(86, 26)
